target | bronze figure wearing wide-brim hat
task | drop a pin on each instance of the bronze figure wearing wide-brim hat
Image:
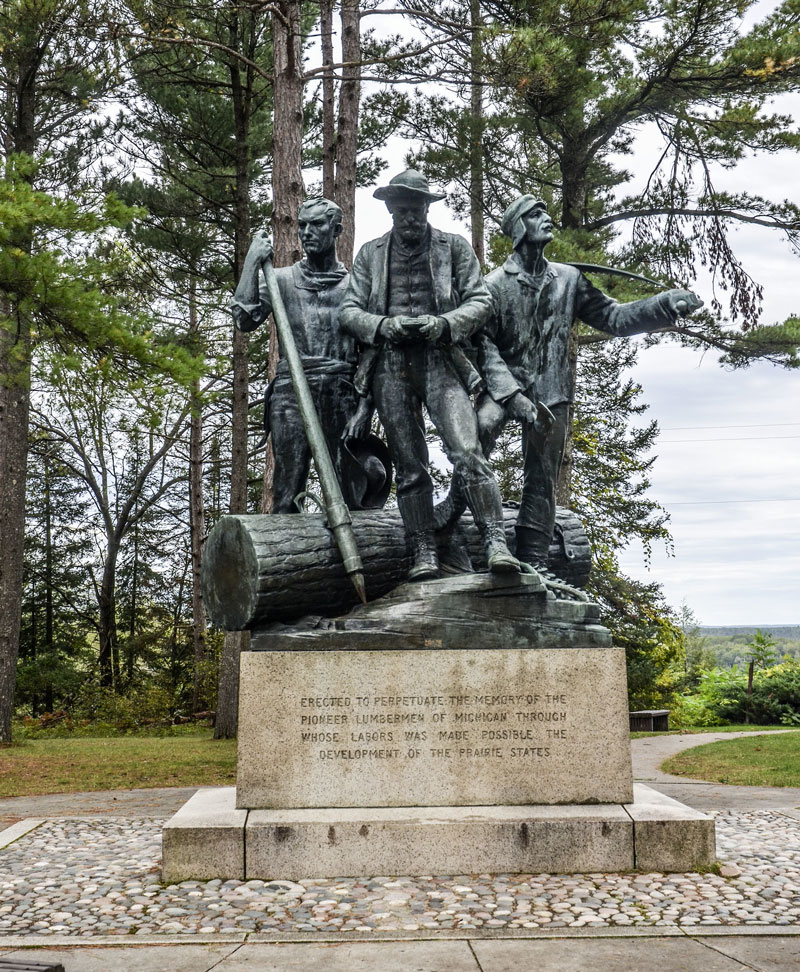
(408, 183)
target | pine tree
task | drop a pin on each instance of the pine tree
(58, 616)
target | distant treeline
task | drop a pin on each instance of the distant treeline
(729, 644)
(790, 631)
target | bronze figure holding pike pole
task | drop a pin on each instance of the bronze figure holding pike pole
(335, 507)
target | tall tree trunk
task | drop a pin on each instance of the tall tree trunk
(476, 134)
(197, 516)
(130, 658)
(573, 206)
(48, 576)
(173, 641)
(347, 128)
(564, 484)
(287, 174)
(34, 640)
(328, 101)
(241, 87)
(15, 403)
(107, 631)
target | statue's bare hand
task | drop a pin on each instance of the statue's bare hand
(261, 249)
(522, 408)
(395, 329)
(683, 302)
(360, 421)
(431, 328)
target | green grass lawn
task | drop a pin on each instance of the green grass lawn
(71, 765)
(749, 761)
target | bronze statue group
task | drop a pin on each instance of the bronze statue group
(416, 324)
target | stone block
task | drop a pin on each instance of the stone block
(452, 724)
(205, 838)
(294, 844)
(669, 836)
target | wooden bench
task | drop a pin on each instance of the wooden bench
(649, 720)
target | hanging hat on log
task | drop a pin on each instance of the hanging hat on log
(511, 224)
(367, 471)
(408, 183)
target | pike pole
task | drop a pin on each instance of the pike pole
(338, 514)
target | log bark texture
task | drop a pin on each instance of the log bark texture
(261, 569)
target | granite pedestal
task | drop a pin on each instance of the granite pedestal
(470, 724)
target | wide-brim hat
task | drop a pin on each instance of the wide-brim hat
(367, 470)
(408, 183)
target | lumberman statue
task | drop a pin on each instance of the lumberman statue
(415, 295)
(523, 352)
(312, 291)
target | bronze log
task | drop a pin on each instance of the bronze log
(258, 569)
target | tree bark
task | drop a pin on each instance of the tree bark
(197, 518)
(564, 484)
(476, 134)
(347, 128)
(15, 356)
(260, 569)
(287, 175)
(107, 604)
(48, 575)
(15, 405)
(573, 207)
(287, 194)
(328, 101)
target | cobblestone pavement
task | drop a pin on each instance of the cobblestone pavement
(89, 877)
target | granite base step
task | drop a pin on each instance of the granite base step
(210, 838)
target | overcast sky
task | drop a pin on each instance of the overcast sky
(728, 466)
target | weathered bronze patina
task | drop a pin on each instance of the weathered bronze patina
(416, 295)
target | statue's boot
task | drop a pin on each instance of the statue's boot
(533, 548)
(453, 547)
(487, 511)
(447, 513)
(417, 513)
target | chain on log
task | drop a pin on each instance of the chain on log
(258, 569)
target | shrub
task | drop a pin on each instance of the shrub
(775, 699)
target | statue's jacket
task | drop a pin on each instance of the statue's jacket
(460, 296)
(524, 345)
(313, 301)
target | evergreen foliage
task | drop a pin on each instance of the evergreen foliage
(137, 152)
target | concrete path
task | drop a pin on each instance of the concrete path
(649, 752)
(667, 952)
(668, 949)
(158, 802)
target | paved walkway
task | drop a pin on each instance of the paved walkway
(94, 870)
(649, 753)
(668, 952)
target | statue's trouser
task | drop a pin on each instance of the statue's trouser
(336, 400)
(541, 464)
(542, 457)
(405, 377)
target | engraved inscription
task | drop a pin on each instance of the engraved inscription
(441, 727)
